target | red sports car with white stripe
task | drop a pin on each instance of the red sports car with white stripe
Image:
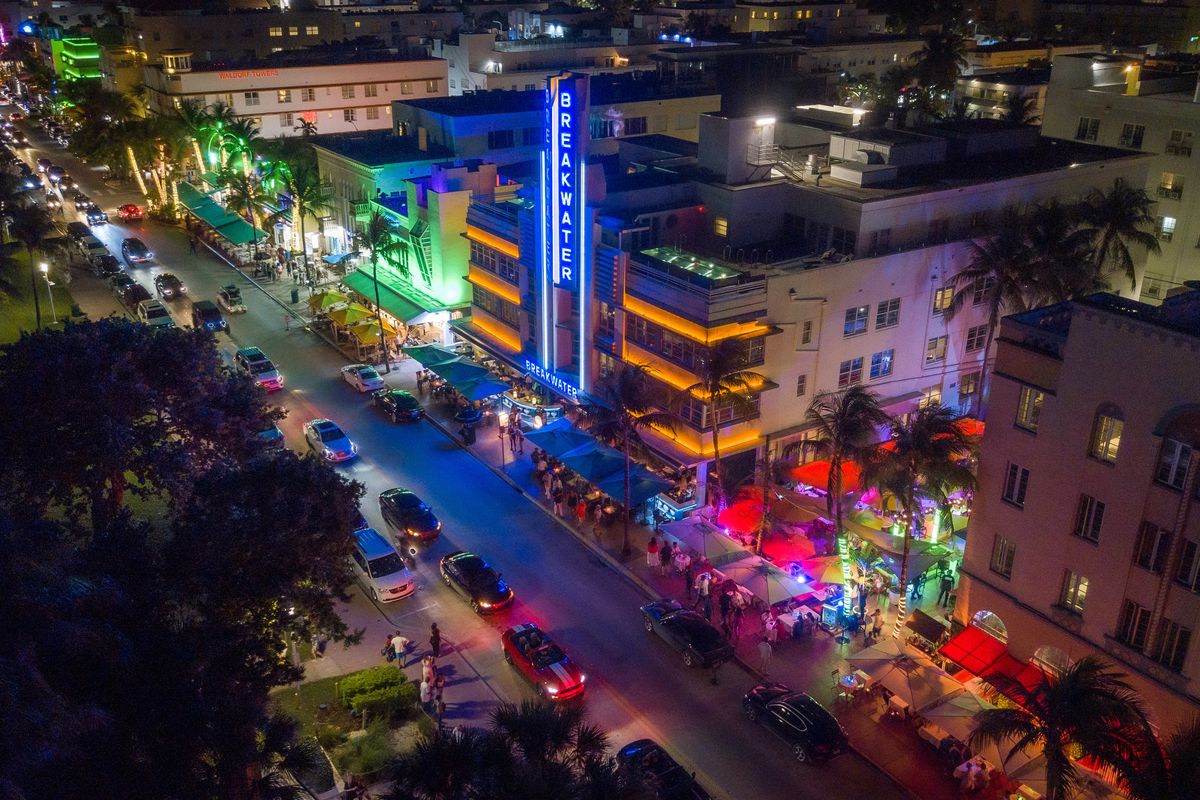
(542, 662)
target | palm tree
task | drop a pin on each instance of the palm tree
(1115, 220)
(845, 429)
(309, 196)
(196, 121)
(625, 403)
(1062, 269)
(941, 60)
(32, 226)
(724, 383)
(1173, 776)
(1089, 708)
(928, 443)
(543, 732)
(1022, 110)
(246, 197)
(306, 127)
(379, 240)
(282, 760)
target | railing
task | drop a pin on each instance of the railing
(1179, 150)
(361, 209)
(762, 155)
(1170, 192)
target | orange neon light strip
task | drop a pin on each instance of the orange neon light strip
(487, 280)
(704, 449)
(497, 330)
(491, 240)
(690, 329)
(673, 375)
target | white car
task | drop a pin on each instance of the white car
(363, 377)
(325, 437)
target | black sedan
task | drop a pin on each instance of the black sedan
(96, 216)
(663, 776)
(810, 730)
(398, 405)
(408, 516)
(105, 266)
(470, 576)
(688, 632)
(169, 287)
(135, 250)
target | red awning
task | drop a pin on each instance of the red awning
(1010, 670)
(816, 473)
(974, 650)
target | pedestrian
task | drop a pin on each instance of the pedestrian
(388, 651)
(736, 625)
(426, 694)
(287, 321)
(597, 518)
(944, 588)
(569, 503)
(725, 606)
(918, 587)
(439, 710)
(547, 484)
(557, 498)
(862, 600)
(581, 511)
(520, 438)
(400, 645)
(876, 623)
(439, 686)
(192, 244)
(459, 733)
(689, 577)
(512, 438)
(765, 651)
(665, 554)
(652, 552)
(435, 640)
(428, 668)
(706, 607)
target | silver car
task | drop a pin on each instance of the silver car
(325, 437)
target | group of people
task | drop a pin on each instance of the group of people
(396, 649)
(566, 498)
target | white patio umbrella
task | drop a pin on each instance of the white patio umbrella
(919, 685)
(706, 539)
(957, 715)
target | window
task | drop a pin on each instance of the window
(935, 349)
(499, 139)
(275, 31)
(931, 396)
(1074, 592)
(881, 363)
(349, 115)
(1088, 129)
(1173, 463)
(284, 95)
(1188, 571)
(844, 240)
(881, 241)
(286, 120)
(1029, 408)
(981, 291)
(1004, 553)
(942, 298)
(1151, 549)
(1173, 641)
(720, 226)
(801, 385)
(1016, 482)
(494, 261)
(1106, 438)
(347, 92)
(939, 230)
(1170, 186)
(976, 336)
(251, 98)
(1131, 135)
(293, 30)
(312, 30)
(850, 372)
(635, 126)
(431, 86)
(495, 305)
(308, 95)
(373, 112)
(968, 384)
(1165, 228)
(370, 90)
(1089, 516)
(1133, 625)
(856, 320)
(887, 315)
(406, 87)
(1180, 143)
(806, 332)
(531, 136)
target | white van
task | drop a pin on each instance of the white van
(380, 568)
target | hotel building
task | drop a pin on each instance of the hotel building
(1084, 533)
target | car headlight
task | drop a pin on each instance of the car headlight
(583, 678)
(353, 449)
(438, 527)
(183, 290)
(329, 453)
(484, 604)
(551, 690)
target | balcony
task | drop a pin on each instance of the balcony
(361, 209)
(1179, 149)
(1170, 192)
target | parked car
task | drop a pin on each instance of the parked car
(129, 213)
(542, 662)
(701, 644)
(44, 164)
(362, 377)
(52, 201)
(205, 314)
(810, 730)
(134, 295)
(154, 314)
(106, 266)
(271, 437)
(331, 442)
(135, 251)
(78, 230)
(120, 282)
(663, 776)
(408, 516)
(253, 362)
(92, 248)
(474, 579)
(33, 183)
(398, 404)
(95, 216)
(230, 299)
(168, 286)
(379, 567)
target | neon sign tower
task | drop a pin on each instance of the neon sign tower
(564, 248)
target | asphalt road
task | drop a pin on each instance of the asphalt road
(637, 686)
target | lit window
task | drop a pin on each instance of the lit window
(284, 95)
(293, 30)
(312, 30)
(887, 315)
(856, 320)
(1074, 592)
(349, 115)
(1170, 186)
(1106, 438)
(935, 349)
(432, 86)
(1016, 482)
(275, 31)
(931, 397)
(968, 384)
(942, 298)
(1165, 228)
(1029, 408)
(720, 226)
(1089, 516)
(881, 363)
(347, 92)
(406, 87)
(850, 372)
(1173, 463)
(1004, 552)
(976, 336)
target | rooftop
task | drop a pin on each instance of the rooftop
(482, 104)
(377, 148)
(690, 262)
(664, 143)
(1024, 76)
(319, 56)
(1179, 313)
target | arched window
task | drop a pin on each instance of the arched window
(1052, 659)
(987, 621)
(1106, 433)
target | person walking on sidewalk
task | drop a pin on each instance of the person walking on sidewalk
(520, 437)
(439, 686)
(428, 669)
(689, 577)
(665, 554)
(192, 244)
(652, 552)
(426, 695)
(703, 587)
(944, 588)
(581, 511)
(435, 640)
(765, 651)
(400, 645)
(287, 321)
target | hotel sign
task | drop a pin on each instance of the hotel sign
(240, 74)
(549, 378)
(566, 109)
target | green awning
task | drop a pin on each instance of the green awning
(211, 178)
(392, 301)
(193, 198)
(240, 232)
(212, 214)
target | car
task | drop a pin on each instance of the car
(129, 212)
(134, 295)
(78, 230)
(470, 576)
(55, 173)
(408, 516)
(95, 216)
(802, 722)
(92, 248)
(253, 362)
(168, 286)
(362, 377)
(398, 404)
(701, 644)
(44, 164)
(16, 116)
(230, 299)
(82, 201)
(154, 314)
(542, 662)
(106, 266)
(325, 437)
(66, 183)
(379, 567)
(120, 282)
(271, 437)
(19, 139)
(52, 202)
(33, 183)
(205, 314)
(662, 775)
(135, 250)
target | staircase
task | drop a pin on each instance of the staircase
(771, 155)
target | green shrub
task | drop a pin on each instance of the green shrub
(369, 680)
(385, 702)
(366, 754)
(330, 736)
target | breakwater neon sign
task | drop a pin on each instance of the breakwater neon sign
(551, 379)
(566, 197)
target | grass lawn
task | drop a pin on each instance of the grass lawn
(306, 704)
(17, 311)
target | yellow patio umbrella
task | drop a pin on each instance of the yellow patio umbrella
(350, 315)
(367, 332)
(323, 301)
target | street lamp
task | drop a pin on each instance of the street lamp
(45, 268)
(503, 419)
